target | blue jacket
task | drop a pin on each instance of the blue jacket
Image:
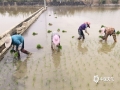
(17, 40)
(83, 27)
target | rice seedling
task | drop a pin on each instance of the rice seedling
(58, 29)
(80, 85)
(59, 46)
(16, 55)
(64, 31)
(34, 33)
(118, 32)
(55, 17)
(50, 24)
(102, 26)
(100, 31)
(88, 84)
(39, 46)
(49, 31)
(100, 36)
(72, 36)
(118, 64)
(54, 12)
(104, 84)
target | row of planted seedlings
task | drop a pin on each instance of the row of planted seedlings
(38, 66)
(66, 63)
(79, 70)
(75, 74)
(96, 65)
(37, 62)
(6, 73)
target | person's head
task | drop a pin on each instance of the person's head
(102, 30)
(8, 41)
(56, 40)
(88, 24)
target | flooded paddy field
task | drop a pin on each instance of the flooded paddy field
(11, 16)
(74, 67)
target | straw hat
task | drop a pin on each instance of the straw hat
(8, 41)
(56, 39)
(102, 29)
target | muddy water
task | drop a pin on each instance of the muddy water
(74, 67)
(12, 16)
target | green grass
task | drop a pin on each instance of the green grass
(34, 33)
(64, 31)
(49, 31)
(15, 54)
(39, 46)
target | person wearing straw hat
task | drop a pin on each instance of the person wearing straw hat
(108, 31)
(16, 40)
(55, 40)
(81, 28)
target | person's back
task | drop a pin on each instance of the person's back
(109, 30)
(82, 27)
(17, 39)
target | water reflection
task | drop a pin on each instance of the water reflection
(14, 11)
(68, 11)
(21, 69)
(12, 16)
(82, 49)
(56, 58)
(105, 48)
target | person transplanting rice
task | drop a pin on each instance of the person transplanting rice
(108, 31)
(55, 41)
(81, 28)
(18, 41)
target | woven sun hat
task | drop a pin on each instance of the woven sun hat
(8, 41)
(56, 39)
(102, 29)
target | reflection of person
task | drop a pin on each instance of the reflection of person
(106, 48)
(55, 40)
(56, 58)
(81, 28)
(82, 49)
(16, 40)
(108, 32)
(21, 69)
